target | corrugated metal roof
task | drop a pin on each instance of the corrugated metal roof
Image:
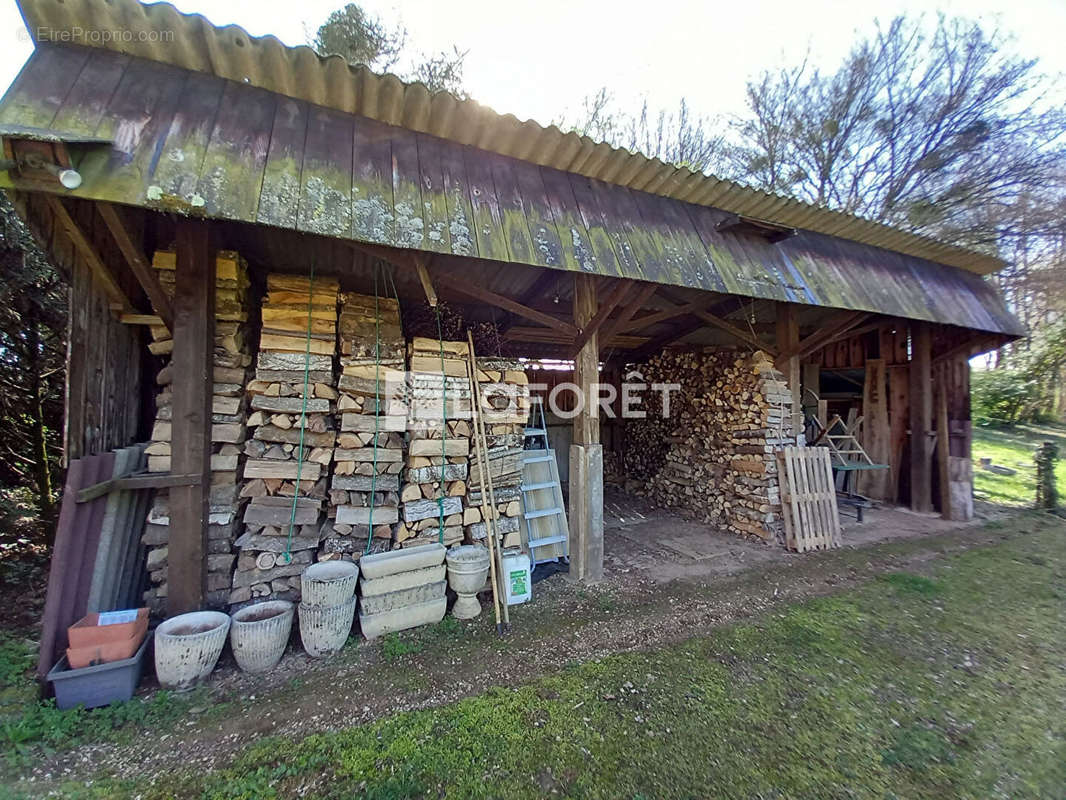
(298, 72)
(193, 142)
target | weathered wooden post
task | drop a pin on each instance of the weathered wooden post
(921, 402)
(194, 341)
(586, 452)
(788, 360)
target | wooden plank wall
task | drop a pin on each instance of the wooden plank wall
(951, 375)
(107, 362)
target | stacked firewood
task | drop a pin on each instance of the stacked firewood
(714, 454)
(228, 416)
(292, 400)
(504, 411)
(440, 429)
(365, 488)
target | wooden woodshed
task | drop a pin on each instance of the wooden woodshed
(203, 139)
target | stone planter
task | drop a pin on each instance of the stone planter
(325, 629)
(258, 634)
(468, 566)
(328, 583)
(187, 647)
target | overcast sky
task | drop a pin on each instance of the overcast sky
(538, 60)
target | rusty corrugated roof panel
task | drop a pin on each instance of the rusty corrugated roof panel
(193, 142)
(298, 72)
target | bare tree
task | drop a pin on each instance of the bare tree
(677, 137)
(941, 132)
(362, 38)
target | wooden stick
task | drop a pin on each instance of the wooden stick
(481, 467)
(486, 472)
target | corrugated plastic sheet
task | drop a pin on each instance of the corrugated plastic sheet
(192, 142)
(298, 72)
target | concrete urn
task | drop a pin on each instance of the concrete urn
(468, 566)
(258, 634)
(187, 647)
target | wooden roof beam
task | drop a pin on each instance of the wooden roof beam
(520, 333)
(743, 336)
(467, 289)
(101, 273)
(972, 347)
(838, 325)
(643, 294)
(138, 264)
(678, 333)
(543, 285)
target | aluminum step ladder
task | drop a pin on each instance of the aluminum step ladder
(544, 530)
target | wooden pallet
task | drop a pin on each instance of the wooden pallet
(808, 499)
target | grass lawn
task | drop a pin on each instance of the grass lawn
(1014, 447)
(949, 684)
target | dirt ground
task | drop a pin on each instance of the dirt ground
(659, 546)
(653, 594)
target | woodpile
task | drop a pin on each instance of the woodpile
(292, 401)
(232, 357)
(504, 390)
(715, 453)
(364, 493)
(439, 428)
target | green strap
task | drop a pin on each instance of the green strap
(303, 413)
(377, 409)
(443, 431)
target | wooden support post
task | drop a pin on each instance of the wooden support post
(586, 454)
(788, 362)
(943, 451)
(921, 400)
(194, 340)
(586, 361)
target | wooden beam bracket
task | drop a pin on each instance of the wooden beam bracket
(421, 264)
(100, 271)
(138, 263)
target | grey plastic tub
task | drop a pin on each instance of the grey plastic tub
(100, 685)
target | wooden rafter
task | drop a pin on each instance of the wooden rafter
(643, 294)
(746, 337)
(138, 264)
(736, 333)
(971, 347)
(543, 285)
(99, 269)
(661, 316)
(616, 296)
(839, 324)
(507, 304)
(678, 333)
(536, 335)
